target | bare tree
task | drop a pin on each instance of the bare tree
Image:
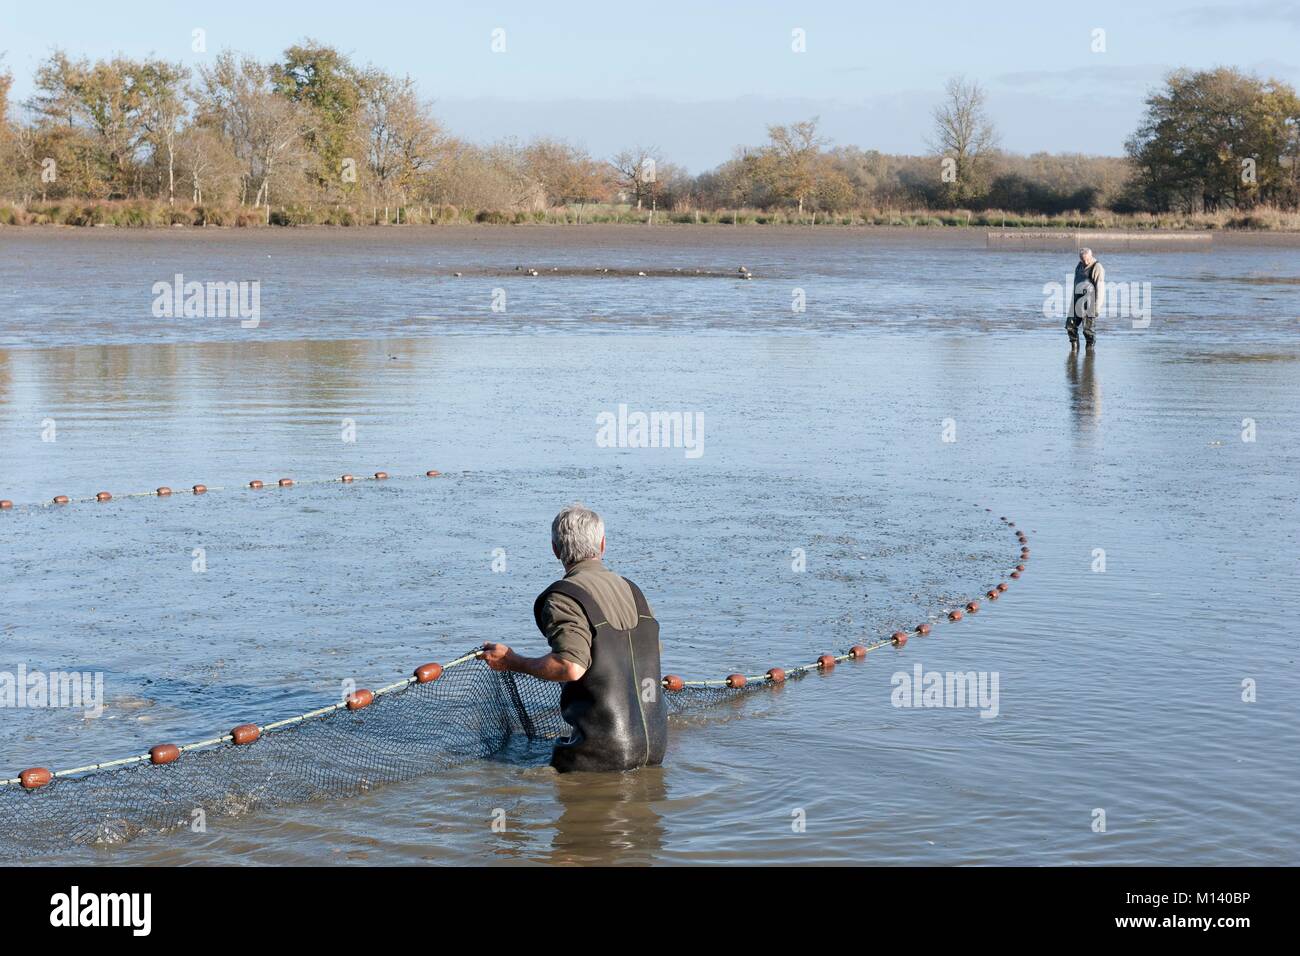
(964, 134)
(210, 164)
(636, 172)
(789, 163)
(399, 131)
(567, 173)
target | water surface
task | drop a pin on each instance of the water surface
(1120, 690)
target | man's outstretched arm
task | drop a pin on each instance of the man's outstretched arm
(499, 657)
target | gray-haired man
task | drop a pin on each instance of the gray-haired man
(1089, 294)
(604, 647)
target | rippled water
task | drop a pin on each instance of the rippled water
(1119, 690)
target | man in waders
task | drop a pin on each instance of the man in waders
(604, 648)
(1089, 293)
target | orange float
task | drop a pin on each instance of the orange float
(426, 673)
(245, 734)
(360, 698)
(164, 753)
(35, 777)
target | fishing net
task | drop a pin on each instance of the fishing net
(415, 726)
(469, 712)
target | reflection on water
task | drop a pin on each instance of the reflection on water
(609, 818)
(1085, 393)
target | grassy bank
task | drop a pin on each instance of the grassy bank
(151, 214)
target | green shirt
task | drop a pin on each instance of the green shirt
(565, 625)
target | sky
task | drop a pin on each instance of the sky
(697, 79)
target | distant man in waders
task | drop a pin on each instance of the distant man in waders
(1089, 293)
(604, 648)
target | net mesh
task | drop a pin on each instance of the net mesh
(470, 712)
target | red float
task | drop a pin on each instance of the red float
(776, 675)
(426, 673)
(826, 662)
(673, 683)
(923, 629)
(163, 492)
(164, 753)
(255, 484)
(35, 777)
(360, 698)
(381, 475)
(60, 499)
(899, 638)
(285, 482)
(954, 615)
(735, 680)
(103, 496)
(245, 734)
(200, 489)
(858, 652)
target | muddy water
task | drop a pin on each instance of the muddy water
(1119, 689)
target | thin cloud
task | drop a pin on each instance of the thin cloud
(1258, 12)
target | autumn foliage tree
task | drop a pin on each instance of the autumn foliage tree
(1217, 138)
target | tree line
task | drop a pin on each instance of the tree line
(315, 129)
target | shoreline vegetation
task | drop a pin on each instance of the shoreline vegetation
(314, 138)
(155, 214)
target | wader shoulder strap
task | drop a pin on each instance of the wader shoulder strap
(590, 607)
(642, 605)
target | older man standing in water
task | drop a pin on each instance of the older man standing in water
(604, 648)
(1089, 294)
